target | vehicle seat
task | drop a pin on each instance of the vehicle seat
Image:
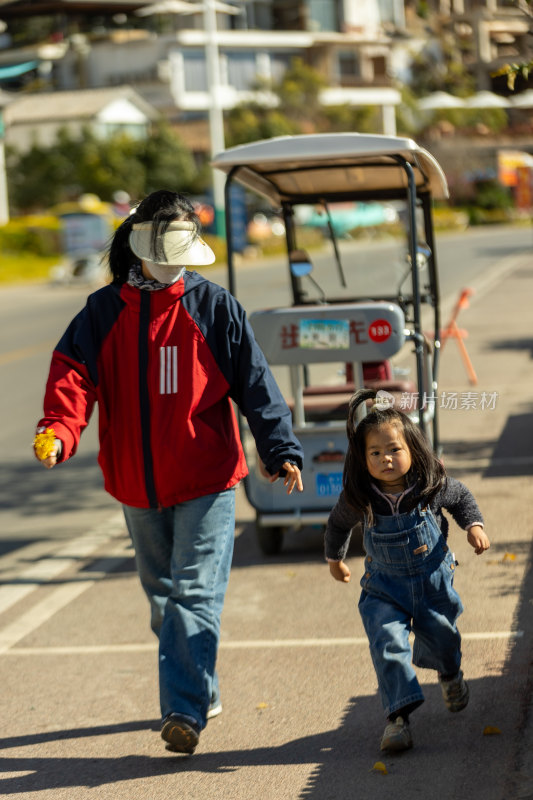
(322, 402)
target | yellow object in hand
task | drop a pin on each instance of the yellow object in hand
(44, 444)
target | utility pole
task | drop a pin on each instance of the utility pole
(216, 114)
(4, 206)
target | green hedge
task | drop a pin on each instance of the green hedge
(31, 235)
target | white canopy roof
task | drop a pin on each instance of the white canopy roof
(487, 100)
(440, 101)
(523, 99)
(306, 167)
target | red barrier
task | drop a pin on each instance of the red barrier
(452, 331)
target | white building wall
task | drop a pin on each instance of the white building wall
(122, 112)
(362, 14)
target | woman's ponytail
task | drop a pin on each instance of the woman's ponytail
(121, 258)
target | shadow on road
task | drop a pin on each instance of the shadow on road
(299, 546)
(522, 344)
(513, 454)
(28, 488)
(508, 456)
(451, 755)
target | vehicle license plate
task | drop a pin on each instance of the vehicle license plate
(328, 484)
(328, 334)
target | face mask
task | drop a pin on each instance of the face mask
(164, 273)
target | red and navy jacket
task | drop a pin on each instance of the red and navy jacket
(164, 367)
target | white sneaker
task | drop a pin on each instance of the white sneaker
(214, 709)
(455, 692)
(397, 736)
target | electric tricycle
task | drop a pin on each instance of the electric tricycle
(366, 314)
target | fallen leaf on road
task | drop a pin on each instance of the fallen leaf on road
(379, 766)
(261, 706)
(491, 730)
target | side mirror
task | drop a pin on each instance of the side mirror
(423, 254)
(301, 268)
(300, 263)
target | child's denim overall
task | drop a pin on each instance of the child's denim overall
(408, 586)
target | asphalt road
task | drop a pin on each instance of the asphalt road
(34, 317)
(301, 718)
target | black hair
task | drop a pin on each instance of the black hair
(426, 469)
(161, 207)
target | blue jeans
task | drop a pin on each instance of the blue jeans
(183, 555)
(408, 586)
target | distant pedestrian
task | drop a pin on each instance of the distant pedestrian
(164, 352)
(396, 486)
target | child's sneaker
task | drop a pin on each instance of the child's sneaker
(397, 736)
(455, 692)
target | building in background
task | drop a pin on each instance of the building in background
(30, 118)
(162, 54)
(495, 33)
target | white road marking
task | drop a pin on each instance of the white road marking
(40, 614)
(73, 554)
(58, 599)
(252, 644)
(46, 569)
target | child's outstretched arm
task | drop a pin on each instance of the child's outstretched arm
(478, 539)
(460, 501)
(340, 571)
(337, 535)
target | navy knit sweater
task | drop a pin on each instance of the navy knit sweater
(454, 497)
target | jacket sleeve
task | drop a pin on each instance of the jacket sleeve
(254, 389)
(339, 527)
(461, 503)
(70, 392)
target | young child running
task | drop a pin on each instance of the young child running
(396, 486)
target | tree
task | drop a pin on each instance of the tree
(37, 179)
(298, 110)
(364, 119)
(297, 107)
(524, 68)
(440, 67)
(250, 122)
(169, 164)
(299, 91)
(75, 165)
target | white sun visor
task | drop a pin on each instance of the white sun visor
(180, 245)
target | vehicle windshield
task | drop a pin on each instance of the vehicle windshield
(370, 240)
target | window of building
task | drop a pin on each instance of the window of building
(106, 129)
(380, 66)
(195, 71)
(242, 70)
(279, 63)
(349, 65)
(323, 15)
(255, 14)
(289, 15)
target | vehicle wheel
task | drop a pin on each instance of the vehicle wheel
(270, 540)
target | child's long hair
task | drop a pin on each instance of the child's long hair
(426, 468)
(160, 207)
